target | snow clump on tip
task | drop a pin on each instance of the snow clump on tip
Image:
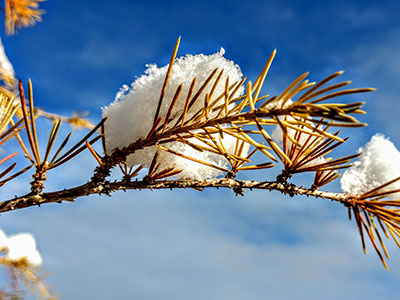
(20, 246)
(130, 117)
(378, 163)
(6, 68)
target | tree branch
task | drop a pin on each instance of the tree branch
(107, 188)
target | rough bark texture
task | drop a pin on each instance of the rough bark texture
(108, 187)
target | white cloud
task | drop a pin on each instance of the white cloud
(186, 244)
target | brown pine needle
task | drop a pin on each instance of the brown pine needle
(186, 107)
(153, 163)
(166, 173)
(205, 84)
(27, 124)
(206, 103)
(226, 97)
(15, 175)
(76, 151)
(173, 102)
(6, 171)
(60, 149)
(136, 171)
(81, 142)
(153, 129)
(103, 138)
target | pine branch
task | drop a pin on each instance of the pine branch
(107, 188)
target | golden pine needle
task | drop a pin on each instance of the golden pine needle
(21, 13)
(371, 192)
(250, 97)
(216, 84)
(257, 167)
(319, 84)
(263, 74)
(373, 241)
(378, 235)
(246, 138)
(342, 93)
(52, 137)
(32, 119)
(274, 146)
(192, 158)
(307, 96)
(393, 234)
(23, 145)
(164, 88)
(300, 87)
(94, 153)
(8, 157)
(289, 88)
(234, 87)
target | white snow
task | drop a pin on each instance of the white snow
(20, 246)
(6, 68)
(378, 163)
(130, 117)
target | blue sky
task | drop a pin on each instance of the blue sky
(209, 245)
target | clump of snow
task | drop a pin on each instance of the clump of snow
(20, 246)
(6, 68)
(190, 169)
(378, 163)
(130, 117)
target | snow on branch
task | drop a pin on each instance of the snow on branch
(378, 163)
(198, 123)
